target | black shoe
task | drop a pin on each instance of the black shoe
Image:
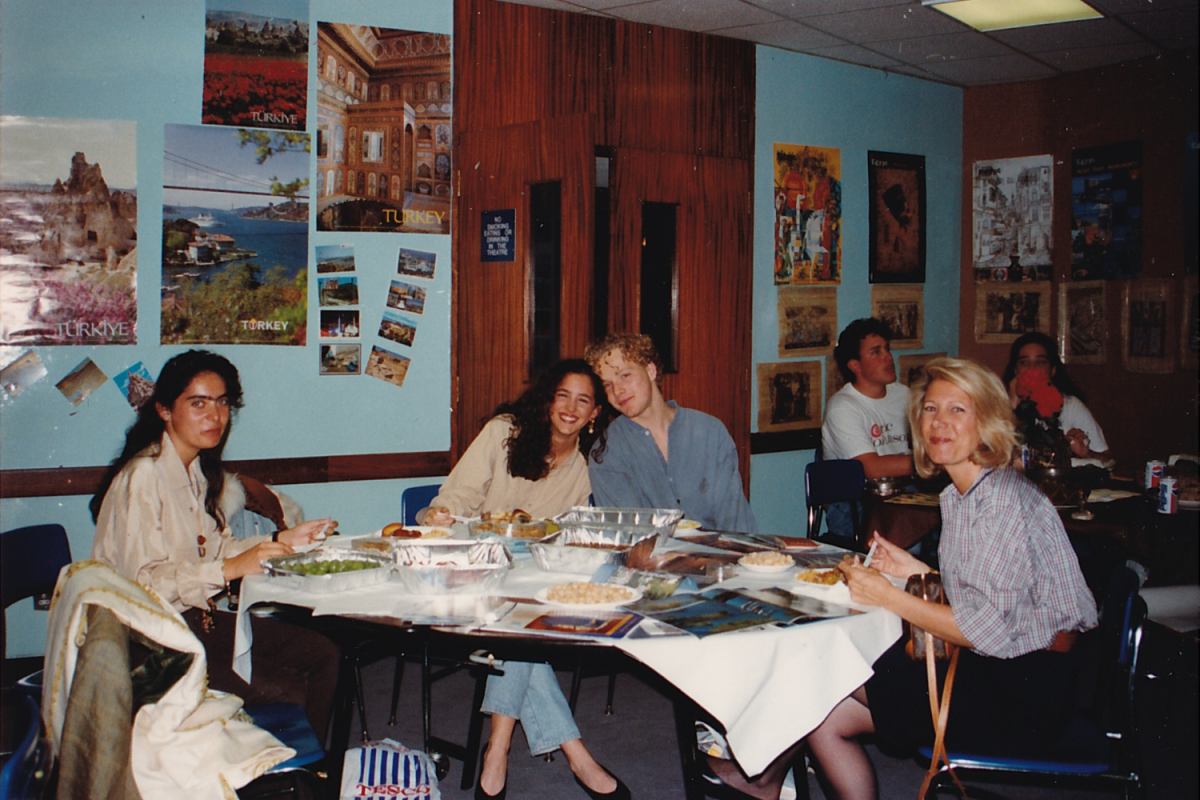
(620, 793)
(480, 794)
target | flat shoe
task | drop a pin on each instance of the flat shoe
(620, 793)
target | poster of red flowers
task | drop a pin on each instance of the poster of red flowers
(255, 65)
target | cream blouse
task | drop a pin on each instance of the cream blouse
(149, 522)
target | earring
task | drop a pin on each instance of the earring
(592, 426)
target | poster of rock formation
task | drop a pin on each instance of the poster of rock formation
(256, 64)
(235, 236)
(68, 231)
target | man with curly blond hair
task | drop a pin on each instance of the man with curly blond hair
(659, 455)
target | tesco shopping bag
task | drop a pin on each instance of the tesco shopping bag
(386, 770)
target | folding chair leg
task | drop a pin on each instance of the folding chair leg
(612, 690)
(361, 700)
(396, 679)
(576, 680)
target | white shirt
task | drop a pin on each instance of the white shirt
(856, 424)
(1075, 414)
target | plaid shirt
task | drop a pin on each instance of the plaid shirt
(1009, 571)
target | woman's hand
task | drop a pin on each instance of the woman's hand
(891, 559)
(249, 562)
(308, 532)
(438, 516)
(867, 585)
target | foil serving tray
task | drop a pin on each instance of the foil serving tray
(582, 549)
(290, 570)
(449, 566)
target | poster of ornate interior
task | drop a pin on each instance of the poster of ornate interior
(68, 231)
(384, 107)
(1012, 202)
(1106, 211)
(808, 214)
(235, 236)
(256, 64)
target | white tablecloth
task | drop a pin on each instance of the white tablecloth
(768, 687)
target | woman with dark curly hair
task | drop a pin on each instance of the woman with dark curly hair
(531, 455)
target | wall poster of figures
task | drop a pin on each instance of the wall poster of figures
(807, 321)
(1005, 311)
(896, 186)
(789, 396)
(1081, 328)
(808, 214)
(901, 308)
(908, 367)
(1147, 326)
(1106, 211)
(1012, 208)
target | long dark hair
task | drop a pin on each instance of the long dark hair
(177, 374)
(1058, 371)
(529, 444)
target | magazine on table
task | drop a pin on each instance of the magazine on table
(564, 622)
(721, 610)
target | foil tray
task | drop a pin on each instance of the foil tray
(449, 566)
(581, 549)
(659, 521)
(516, 531)
(283, 569)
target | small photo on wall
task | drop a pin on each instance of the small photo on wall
(398, 328)
(136, 385)
(908, 367)
(807, 321)
(339, 325)
(335, 258)
(902, 309)
(1146, 326)
(406, 297)
(21, 373)
(1081, 322)
(789, 396)
(82, 381)
(341, 359)
(1005, 311)
(388, 366)
(416, 263)
(338, 291)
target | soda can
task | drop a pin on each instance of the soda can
(1168, 496)
(1154, 472)
(1026, 456)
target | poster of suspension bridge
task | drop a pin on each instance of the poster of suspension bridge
(235, 236)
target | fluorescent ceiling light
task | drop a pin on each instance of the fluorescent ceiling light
(994, 15)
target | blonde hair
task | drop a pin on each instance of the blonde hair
(636, 347)
(997, 433)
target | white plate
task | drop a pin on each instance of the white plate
(426, 531)
(766, 569)
(542, 594)
(799, 584)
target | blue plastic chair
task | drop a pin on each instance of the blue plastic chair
(414, 498)
(26, 768)
(30, 560)
(829, 482)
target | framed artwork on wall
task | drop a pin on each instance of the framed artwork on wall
(1189, 342)
(1004, 311)
(1012, 211)
(896, 186)
(807, 321)
(789, 396)
(1106, 211)
(1147, 332)
(901, 308)
(1081, 324)
(908, 366)
(808, 214)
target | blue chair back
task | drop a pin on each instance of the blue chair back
(414, 498)
(828, 482)
(30, 560)
(23, 776)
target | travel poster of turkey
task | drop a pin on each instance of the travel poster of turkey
(256, 64)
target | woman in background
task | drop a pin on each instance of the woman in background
(531, 455)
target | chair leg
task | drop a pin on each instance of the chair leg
(576, 680)
(361, 700)
(474, 732)
(612, 690)
(397, 677)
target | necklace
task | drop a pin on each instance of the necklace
(200, 542)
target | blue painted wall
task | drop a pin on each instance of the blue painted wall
(804, 100)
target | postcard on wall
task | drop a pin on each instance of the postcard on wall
(416, 263)
(908, 367)
(335, 258)
(80, 382)
(384, 144)
(341, 291)
(339, 324)
(235, 236)
(1012, 207)
(21, 373)
(406, 297)
(1005, 311)
(1106, 211)
(68, 262)
(789, 396)
(340, 359)
(896, 188)
(1147, 326)
(1081, 323)
(136, 385)
(398, 328)
(833, 378)
(256, 64)
(807, 321)
(388, 366)
(808, 214)
(1189, 343)
(901, 308)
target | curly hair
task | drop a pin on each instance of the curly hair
(1058, 371)
(177, 374)
(997, 435)
(529, 443)
(636, 347)
(849, 343)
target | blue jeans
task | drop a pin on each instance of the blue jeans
(530, 693)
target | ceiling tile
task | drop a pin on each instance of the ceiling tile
(981, 71)
(1090, 57)
(1173, 28)
(1067, 35)
(598, 5)
(783, 33)
(891, 22)
(924, 49)
(1131, 6)
(854, 54)
(798, 9)
(695, 15)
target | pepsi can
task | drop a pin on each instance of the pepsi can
(1026, 456)
(1154, 472)
(1168, 496)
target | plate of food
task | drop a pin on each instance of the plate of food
(398, 531)
(819, 578)
(588, 596)
(767, 561)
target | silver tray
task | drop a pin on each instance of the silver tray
(659, 521)
(449, 566)
(583, 549)
(283, 569)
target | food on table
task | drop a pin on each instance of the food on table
(822, 577)
(769, 558)
(398, 531)
(518, 523)
(330, 566)
(687, 525)
(583, 593)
